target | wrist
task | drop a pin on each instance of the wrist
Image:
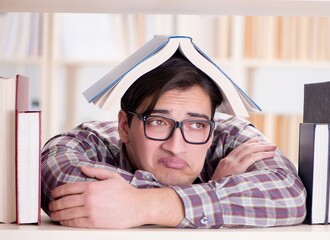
(162, 206)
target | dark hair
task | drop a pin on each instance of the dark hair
(176, 73)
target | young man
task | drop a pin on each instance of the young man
(167, 162)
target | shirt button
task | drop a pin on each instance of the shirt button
(204, 221)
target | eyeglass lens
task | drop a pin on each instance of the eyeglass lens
(162, 128)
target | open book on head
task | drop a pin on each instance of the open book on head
(107, 92)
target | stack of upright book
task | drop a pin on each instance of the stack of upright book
(314, 149)
(20, 147)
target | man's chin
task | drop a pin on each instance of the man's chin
(174, 179)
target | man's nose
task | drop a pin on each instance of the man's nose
(176, 144)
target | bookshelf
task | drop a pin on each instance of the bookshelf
(206, 7)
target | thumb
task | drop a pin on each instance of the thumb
(98, 173)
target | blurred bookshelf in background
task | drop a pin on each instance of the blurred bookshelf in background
(270, 57)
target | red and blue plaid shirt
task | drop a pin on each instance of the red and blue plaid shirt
(269, 193)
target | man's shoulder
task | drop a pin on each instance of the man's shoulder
(224, 121)
(103, 129)
(101, 126)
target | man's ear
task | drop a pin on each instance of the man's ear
(123, 127)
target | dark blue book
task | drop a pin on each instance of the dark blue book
(313, 169)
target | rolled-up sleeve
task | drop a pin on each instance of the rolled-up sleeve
(269, 193)
(64, 154)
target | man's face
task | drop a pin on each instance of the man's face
(173, 161)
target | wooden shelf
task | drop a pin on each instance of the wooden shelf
(207, 7)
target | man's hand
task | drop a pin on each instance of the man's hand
(112, 203)
(101, 204)
(242, 157)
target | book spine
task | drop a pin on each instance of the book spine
(326, 217)
(39, 173)
(305, 163)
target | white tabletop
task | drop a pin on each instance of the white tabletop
(51, 231)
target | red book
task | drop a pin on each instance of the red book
(13, 96)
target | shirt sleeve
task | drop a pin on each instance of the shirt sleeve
(269, 193)
(94, 144)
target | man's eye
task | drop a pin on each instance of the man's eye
(197, 125)
(156, 122)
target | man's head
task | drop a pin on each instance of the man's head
(175, 90)
(175, 73)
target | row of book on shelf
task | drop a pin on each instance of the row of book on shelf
(20, 35)
(20, 148)
(287, 38)
(265, 37)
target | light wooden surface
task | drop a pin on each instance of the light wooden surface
(50, 231)
(220, 7)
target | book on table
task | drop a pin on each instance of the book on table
(313, 169)
(28, 150)
(14, 98)
(107, 92)
(313, 166)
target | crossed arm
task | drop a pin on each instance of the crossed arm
(114, 201)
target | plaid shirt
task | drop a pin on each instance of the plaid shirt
(269, 193)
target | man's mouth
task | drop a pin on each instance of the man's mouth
(174, 163)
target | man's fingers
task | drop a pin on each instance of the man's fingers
(252, 158)
(68, 214)
(79, 187)
(66, 202)
(243, 146)
(68, 189)
(82, 222)
(255, 147)
(98, 173)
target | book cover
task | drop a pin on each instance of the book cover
(313, 169)
(28, 155)
(13, 96)
(316, 103)
(107, 92)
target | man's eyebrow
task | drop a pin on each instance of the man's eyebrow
(160, 111)
(198, 115)
(191, 114)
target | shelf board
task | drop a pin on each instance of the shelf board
(86, 62)
(218, 7)
(284, 64)
(21, 61)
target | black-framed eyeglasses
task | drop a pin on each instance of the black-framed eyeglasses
(160, 128)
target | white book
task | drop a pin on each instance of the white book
(107, 92)
(28, 150)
